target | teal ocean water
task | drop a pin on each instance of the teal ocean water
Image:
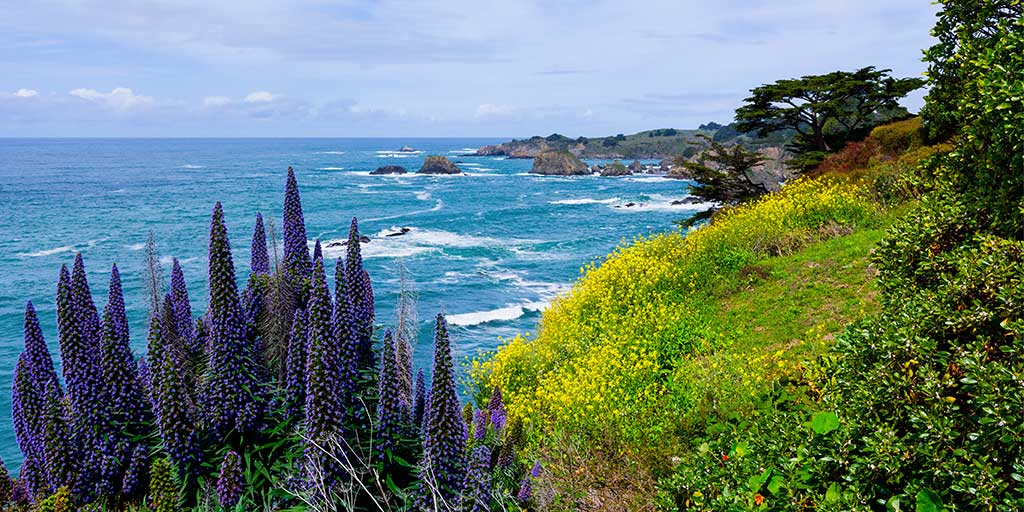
(490, 248)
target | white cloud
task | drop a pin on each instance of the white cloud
(26, 93)
(491, 110)
(216, 101)
(260, 97)
(121, 99)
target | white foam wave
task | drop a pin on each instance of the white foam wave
(413, 242)
(330, 152)
(423, 195)
(330, 168)
(647, 179)
(395, 155)
(504, 314)
(136, 247)
(59, 250)
(586, 200)
(660, 203)
(48, 252)
(191, 166)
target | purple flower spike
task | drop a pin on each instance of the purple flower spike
(345, 340)
(296, 249)
(295, 366)
(127, 407)
(360, 293)
(183, 323)
(480, 424)
(389, 406)
(477, 494)
(496, 406)
(230, 481)
(260, 261)
(444, 441)
(231, 386)
(323, 411)
(419, 401)
(175, 418)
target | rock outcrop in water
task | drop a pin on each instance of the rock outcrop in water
(390, 169)
(558, 163)
(438, 165)
(616, 169)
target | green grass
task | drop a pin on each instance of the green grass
(816, 291)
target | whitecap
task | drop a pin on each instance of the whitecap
(47, 252)
(585, 200)
(330, 168)
(136, 247)
(423, 195)
(660, 203)
(330, 152)
(191, 166)
(504, 314)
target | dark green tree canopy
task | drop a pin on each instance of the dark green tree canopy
(826, 110)
(724, 174)
(963, 29)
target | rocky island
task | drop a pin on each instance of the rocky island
(558, 163)
(390, 169)
(438, 165)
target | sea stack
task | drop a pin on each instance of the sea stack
(390, 169)
(559, 163)
(438, 165)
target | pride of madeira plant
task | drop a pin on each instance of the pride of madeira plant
(272, 399)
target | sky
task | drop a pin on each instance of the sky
(431, 68)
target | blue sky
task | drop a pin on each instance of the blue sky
(427, 67)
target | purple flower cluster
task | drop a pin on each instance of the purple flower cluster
(296, 248)
(390, 416)
(230, 481)
(476, 495)
(480, 418)
(295, 366)
(183, 325)
(496, 407)
(259, 262)
(323, 410)
(360, 293)
(444, 441)
(176, 418)
(419, 399)
(231, 388)
(346, 341)
(127, 407)
(134, 483)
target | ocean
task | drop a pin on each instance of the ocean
(489, 248)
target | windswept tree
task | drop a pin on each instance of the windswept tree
(725, 175)
(826, 111)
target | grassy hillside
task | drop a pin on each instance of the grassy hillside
(673, 340)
